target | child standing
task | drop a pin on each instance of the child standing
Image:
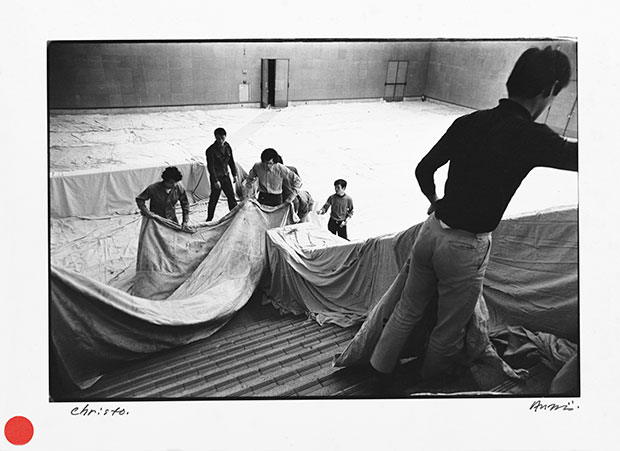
(342, 209)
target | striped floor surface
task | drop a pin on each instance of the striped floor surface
(262, 354)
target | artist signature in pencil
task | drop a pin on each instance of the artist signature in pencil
(87, 411)
(553, 407)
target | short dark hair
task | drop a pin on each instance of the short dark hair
(268, 154)
(535, 72)
(341, 182)
(219, 132)
(171, 173)
(278, 159)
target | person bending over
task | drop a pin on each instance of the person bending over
(303, 201)
(270, 176)
(490, 152)
(163, 197)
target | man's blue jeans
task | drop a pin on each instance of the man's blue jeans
(447, 265)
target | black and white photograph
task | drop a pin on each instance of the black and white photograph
(303, 173)
(269, 234)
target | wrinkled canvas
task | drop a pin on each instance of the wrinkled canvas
(187, 286)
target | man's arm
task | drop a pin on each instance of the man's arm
(571, 156)
(349, 211)
(433, 160)
(553, 151)
(325, 207)
(349, 208)
(248, 183)
(294, 183)
(141, 202)
(211, 164)
(232, 165)
(184, 206)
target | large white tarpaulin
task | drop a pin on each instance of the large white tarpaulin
(531, 281)
(189, 285)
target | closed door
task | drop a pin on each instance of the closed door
(396, 81)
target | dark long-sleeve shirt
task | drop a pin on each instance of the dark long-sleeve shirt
(342, 206)
(219, 159)
(490, 153)
(163, 203)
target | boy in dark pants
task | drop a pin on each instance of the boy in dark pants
(219, 158)
(342, 209)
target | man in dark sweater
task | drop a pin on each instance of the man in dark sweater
(490, 152)
(219, 159)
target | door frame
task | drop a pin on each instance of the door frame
(274, 82)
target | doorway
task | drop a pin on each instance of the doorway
(274, 83)
(396, 81)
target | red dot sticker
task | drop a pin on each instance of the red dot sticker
(18, 430)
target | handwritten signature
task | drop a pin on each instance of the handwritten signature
(550, 407)
(87, 411)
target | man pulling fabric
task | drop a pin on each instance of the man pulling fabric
(490, 152)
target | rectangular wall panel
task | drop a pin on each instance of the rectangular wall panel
(97, 75)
